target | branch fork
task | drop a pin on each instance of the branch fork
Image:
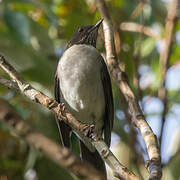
(59, 109)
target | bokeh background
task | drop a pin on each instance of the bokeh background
(33, 36)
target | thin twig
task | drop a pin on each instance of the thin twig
(136, 80)
(164, 59)
(154, 164)
(138, 10)
(26, 89)
(135, 27)
(60, 155)
(137, 58)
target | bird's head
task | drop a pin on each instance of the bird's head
(85, 35)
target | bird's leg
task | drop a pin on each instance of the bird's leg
(88, 131)
(62, 110)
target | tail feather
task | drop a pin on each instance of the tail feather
(93, 158)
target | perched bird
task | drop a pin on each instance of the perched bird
(83, 84)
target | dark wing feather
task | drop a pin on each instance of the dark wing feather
(64, 129)
(92, 157)
(109, 104)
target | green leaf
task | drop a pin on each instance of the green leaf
(147, 47)
(175, 55)
(34, 64)
(18, 25)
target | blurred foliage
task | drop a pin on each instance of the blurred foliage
(33, 35)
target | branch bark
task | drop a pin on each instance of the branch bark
(164, 59)
(154, 164)
(8, 83)
(26, 89)
(135, 27)
(60, 155)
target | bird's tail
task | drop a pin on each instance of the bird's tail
(93, 158)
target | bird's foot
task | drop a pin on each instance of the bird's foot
(62, 110)
(88, 130)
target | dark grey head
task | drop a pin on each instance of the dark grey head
(85, 35)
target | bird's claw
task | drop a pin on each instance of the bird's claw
(88, 130)
(62, 110)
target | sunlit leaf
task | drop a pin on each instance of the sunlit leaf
(147, 46)
(175, 55)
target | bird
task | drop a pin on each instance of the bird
(83, 84)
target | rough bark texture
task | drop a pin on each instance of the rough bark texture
(154, 163)
(26, 89)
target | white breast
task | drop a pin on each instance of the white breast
(81, 86)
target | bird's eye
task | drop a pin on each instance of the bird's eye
(80, 30)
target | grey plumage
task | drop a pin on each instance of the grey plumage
(82, 82)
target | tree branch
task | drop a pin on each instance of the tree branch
(154, 164)
(60, 155)
(164, 59)
(26, 89)
(135, 27)
(137, 158)
(9, 84)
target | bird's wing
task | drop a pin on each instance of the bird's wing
(109, 104)
(64, 129)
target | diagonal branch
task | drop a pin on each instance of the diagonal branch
(164, 59)
(135, 27)
(60, 155)
(26, 89)
(9, 84)
(154, 164)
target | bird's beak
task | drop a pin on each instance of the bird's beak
(98, 23)
(96, 26)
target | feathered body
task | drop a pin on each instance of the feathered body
(82, 82)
